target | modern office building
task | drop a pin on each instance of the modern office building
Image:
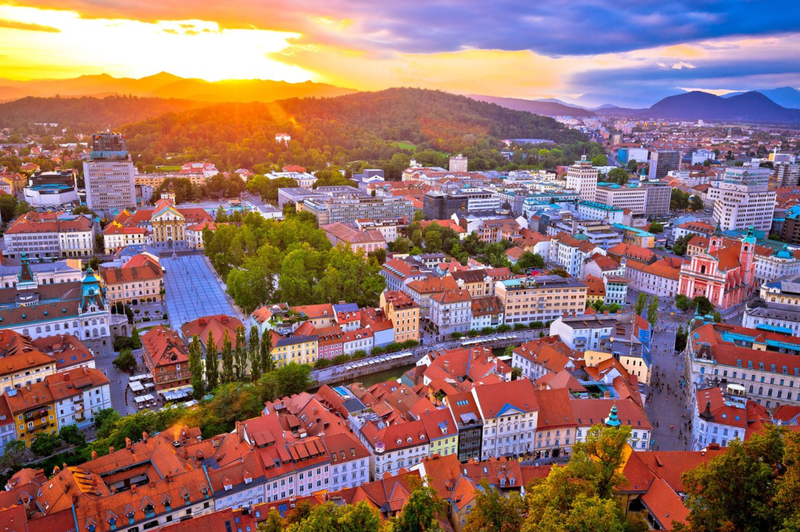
(663, 162)
(742, 199)
(630, 197)
(658, 197)
(442, 205)
(787, 174)
(582, 178)
(109, 175)
(348, 210)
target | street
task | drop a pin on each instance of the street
(666, 398)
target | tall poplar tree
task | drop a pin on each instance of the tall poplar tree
(267, 364)
(227, 358)
(212, 365)
(254, 354)
(196, 368)
(241, 354)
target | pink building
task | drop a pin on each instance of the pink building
(725, 275)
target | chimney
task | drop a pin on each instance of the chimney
(144, 436)
(56, 470)
(111, 449)
(94, 455)
(127, 443)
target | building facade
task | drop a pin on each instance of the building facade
(109, 174)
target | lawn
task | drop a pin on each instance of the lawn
(405, 145)
(169, 168)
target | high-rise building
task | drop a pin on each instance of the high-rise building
(582, 178)
(458, 163)
(623, 196)
(742, 199)
(663, 162)
(787, 174)
(109, 175)
(658, 197)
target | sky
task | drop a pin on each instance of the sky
(588, 52)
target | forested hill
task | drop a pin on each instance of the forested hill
(361, 126)
(85, 115)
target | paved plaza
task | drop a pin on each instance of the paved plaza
(193, 290)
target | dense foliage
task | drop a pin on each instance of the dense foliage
(753, 486)
(290, 261)
(88, 114)
(357, 127)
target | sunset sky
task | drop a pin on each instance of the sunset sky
(588, 51)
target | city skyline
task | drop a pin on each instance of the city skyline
(581, 52)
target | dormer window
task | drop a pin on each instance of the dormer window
(149, 510)
(130, 515)
(112, 523)
(186, 498)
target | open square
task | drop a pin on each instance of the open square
(193, 290)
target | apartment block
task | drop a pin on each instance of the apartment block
(542, 298)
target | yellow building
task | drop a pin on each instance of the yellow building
(33, 409)
(169, 225)
(299, 349)
(24, 368)
(634, 365)
(403, 313)
(541, 298)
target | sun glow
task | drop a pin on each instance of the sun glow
(187, 48)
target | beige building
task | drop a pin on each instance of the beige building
(403, 313)
(140, 279)
(542, 298)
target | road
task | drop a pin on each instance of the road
(667, 398)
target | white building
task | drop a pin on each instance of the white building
(79, 394)
(510, 414)
(742, 199)
(303, 179)
(633, 198)
(109, 175)
(392, 447)
(719, 417)
(451, 311)
(701, 156)
(117, 236)
(358, 340)
(660, 278)
(582, 178)
(780, 264)
(592, 210)
(570, 253)
(63, 271)
(50, 235)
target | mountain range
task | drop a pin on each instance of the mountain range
(549, 107)
(164, 85)
(697, 105)
(788, 97)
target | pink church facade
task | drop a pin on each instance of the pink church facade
(724, 275)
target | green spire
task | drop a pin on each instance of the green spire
(613, 419)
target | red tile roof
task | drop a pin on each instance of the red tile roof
(164, 347)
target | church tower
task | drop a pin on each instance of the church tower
(715, 242)
(747, 258)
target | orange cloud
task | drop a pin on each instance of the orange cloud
(27, 27)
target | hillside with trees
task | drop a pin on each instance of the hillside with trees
(363, 127)
(86, 115)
